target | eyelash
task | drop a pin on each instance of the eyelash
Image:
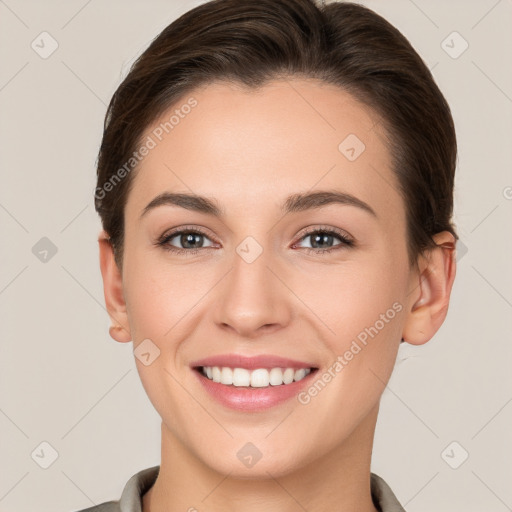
(163, 241)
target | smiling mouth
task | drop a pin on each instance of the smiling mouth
(256, 378)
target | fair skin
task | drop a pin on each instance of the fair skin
(249, 151)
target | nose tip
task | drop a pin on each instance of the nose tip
(251, 301)
(248, 327)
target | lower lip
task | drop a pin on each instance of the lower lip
(252, 399)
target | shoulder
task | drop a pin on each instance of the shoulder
(383, 497)
(131, 497)
(108, 506)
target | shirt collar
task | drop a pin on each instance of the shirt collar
(138, 484)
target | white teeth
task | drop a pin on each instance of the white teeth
(288, 375)
(299, 374)
(226, 376)
(276, 376)
(241, 377)
(259, 378)
(216, 374)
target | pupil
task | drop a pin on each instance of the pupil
(326, 238)
(189, 239)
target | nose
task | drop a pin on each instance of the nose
(252, 299)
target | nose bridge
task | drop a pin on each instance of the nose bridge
(251, 296)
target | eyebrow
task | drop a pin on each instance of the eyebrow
(295, 203)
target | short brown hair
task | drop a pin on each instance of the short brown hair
(251, 42)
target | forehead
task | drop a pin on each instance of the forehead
(246, 147)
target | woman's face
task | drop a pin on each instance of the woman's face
(259, 279)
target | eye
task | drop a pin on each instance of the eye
(190, 239)
(322, 240)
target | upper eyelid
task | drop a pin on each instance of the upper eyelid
(314, 229)
(179, 231)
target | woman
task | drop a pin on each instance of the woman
(275, 184)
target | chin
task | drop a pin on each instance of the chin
(267, 466)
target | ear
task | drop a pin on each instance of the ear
(430, 290)
(113, 290)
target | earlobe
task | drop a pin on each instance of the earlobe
(430, 291)
(119, 333)
(113, 290)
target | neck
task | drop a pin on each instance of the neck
(338, 480)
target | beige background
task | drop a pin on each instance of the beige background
(65, 382)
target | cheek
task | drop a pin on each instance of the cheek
(158, 296)
(364, 312)
(367, 319)
(351, 297)
(362, 307)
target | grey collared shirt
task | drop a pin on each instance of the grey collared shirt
(138, 484)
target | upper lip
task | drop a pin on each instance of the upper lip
(250, 362)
